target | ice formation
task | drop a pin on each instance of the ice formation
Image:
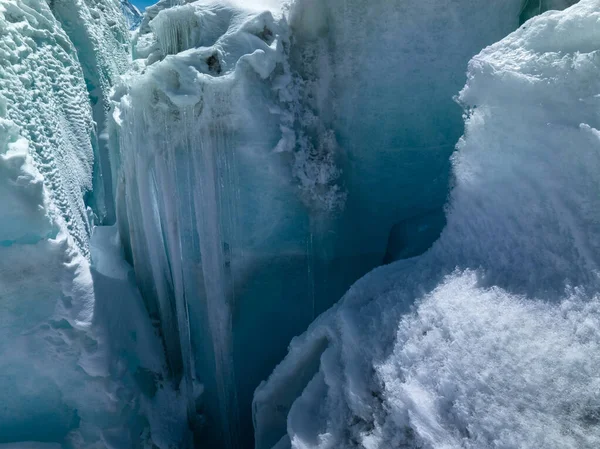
(177, 208)
(132, 14)
(245, 166)
(490, 338)
(80, 362)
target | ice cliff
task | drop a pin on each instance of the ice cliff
(266, 160)
(178, 207)
(490, 339)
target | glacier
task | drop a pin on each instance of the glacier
(187, 191)
(74, 373)
(242, 170)
(490, 338)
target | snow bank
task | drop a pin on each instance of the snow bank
(490, 338)
(80, 364)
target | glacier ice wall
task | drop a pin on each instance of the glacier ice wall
(205, 205)
(490, 338)
(101, 39)
(263, 162)
(81, 366)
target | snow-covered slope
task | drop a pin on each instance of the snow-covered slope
(491, 338)
(73, 371)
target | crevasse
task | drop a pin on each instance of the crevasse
(253, 162)
(267, 160)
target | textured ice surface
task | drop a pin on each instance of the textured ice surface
(266, 162)
(43, 95)
(80, 364)
(98, 32)
(490, 338)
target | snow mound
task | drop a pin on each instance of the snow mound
(490, 338)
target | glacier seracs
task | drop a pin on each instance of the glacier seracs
(252, 162)
(490, 338)
(255, 150)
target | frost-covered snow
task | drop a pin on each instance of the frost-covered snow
(491, 338)
(81, 366)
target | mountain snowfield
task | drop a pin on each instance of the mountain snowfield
(185, 204)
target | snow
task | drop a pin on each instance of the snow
(246, 161)
(79, 356)
(489, 339)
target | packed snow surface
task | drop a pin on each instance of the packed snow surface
(490, 339)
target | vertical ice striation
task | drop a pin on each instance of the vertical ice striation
(264, 163)
(205, 203)
(490, 339)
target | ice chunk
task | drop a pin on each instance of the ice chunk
(132, 14)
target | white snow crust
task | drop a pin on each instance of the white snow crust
(81, 365)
